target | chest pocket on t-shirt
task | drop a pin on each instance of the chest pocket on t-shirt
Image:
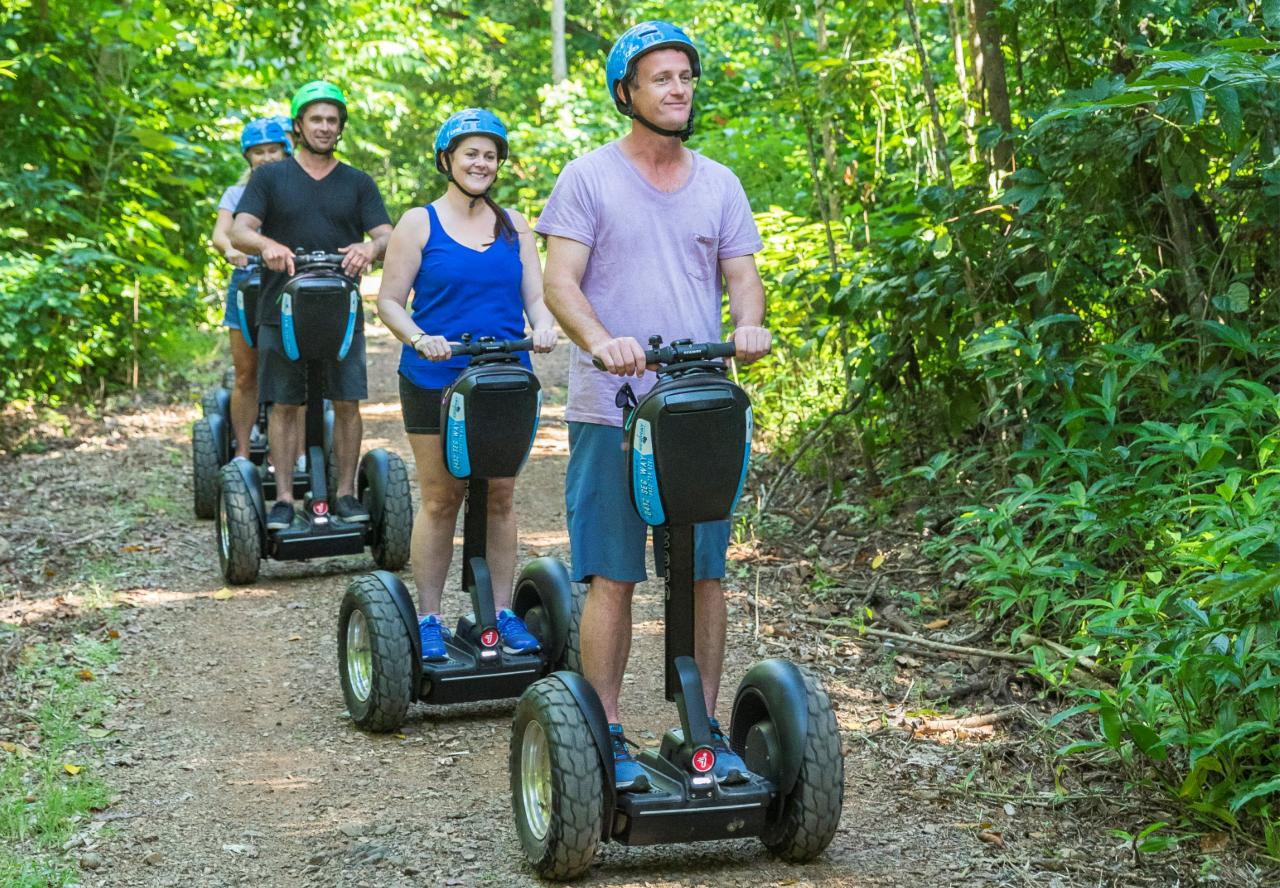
(702, 256)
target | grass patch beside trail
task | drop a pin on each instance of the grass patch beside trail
(52, 705)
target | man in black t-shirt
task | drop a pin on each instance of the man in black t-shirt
(313, 202)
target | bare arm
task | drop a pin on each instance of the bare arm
(359, 257)
(541, 323)
(746, 308)
(222, 243)
(566, 263)
(246, 236)
(399, 269)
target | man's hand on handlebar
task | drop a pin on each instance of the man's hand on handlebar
(543, 340)
(621, 356)
(752, 343)
(358, 258)
(434, 348)
(278, 257)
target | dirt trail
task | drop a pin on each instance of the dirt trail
(235, 764)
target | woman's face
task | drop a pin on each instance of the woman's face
(475, 163)
(268, 153)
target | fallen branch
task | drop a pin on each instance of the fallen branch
(981, 720)
(921, 642)
(1066, 653)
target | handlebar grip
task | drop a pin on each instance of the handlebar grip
(672, 354)
(481, 348)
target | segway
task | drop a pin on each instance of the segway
(213, 438)
(690, 439)
(489, 417)
(319, 311)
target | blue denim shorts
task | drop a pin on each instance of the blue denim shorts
(229, 319)
(606, 536)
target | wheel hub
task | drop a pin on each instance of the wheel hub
(535, 779)
(224, 531)
(359, 656)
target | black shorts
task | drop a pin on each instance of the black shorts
(420, 408)
(283, 381)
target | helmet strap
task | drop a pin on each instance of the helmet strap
(629, 109)
(475, 198)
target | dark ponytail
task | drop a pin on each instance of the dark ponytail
(502, 226)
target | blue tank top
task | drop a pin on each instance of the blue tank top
(460, 290)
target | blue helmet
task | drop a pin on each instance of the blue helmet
(470, 122)
(637, 41)
(263, 131)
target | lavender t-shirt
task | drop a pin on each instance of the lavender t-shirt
(655, 259)
(231, 198)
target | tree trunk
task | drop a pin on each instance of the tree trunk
(559, 68)
(964, 79)
(994, 82)
(825, 127)
(926, 74)
(819, 190)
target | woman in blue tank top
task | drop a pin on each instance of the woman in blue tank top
(473, 268)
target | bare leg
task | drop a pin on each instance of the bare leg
(286, 444)
(433, 526)
(347, 432)
(500, 547)
(244, 397)
(606, 639)
(710, 618)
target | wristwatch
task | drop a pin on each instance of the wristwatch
(413, 340)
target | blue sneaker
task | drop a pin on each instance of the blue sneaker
(628, 776)
(730, 768)
(433, 633)
(516, 638)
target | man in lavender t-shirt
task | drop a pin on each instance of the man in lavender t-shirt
(640, 234)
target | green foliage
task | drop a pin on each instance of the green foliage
(1082, 349)
(41, 800)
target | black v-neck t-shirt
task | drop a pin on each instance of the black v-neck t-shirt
(313, 214)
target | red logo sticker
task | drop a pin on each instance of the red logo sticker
(320, 507)
(489, 638)
(703, 760)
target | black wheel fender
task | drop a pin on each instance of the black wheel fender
(404, 605)
(249, 472)
(375, 472)
(545, 581)
(593, 710)
(774, 689)
(221, 435)
(222, 397)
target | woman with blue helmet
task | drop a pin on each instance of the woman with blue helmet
(473, 267)
(262, 141)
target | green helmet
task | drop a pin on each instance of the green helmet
(319, 91)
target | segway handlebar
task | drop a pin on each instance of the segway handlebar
(312, 261)
(682, 351)
(487, 345)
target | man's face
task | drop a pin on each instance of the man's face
(663, 90)
(475, 163)
(321, 124)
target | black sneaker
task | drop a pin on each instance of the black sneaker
(348, 508)
(281, 516)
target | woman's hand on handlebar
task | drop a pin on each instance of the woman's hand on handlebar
(278, 257)
(358, 258)
(236, 258)
(751, 343)
(543, 340)
(621, 356)
(434, 348)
